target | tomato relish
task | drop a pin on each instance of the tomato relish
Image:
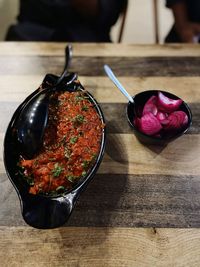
(71, 144)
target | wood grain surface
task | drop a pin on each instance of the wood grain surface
(101, 49)
(80, 246)
(93, 66)
(143, 206)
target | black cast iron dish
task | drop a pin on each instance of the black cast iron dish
(42, 211)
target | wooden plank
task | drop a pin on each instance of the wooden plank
(139, 201)
(125, 155)
(99, 247)
(103, 89)
(15, 88)
(100, 49)
(10, 214)
(115, 115)
(113, 200)
(2, 169)
(93, 66)
(134, 187)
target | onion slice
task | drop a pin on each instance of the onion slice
(151, 106)
(149, 124)
(161, 116)
(167, 104)
(176, 121)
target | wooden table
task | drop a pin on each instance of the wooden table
(143, 206)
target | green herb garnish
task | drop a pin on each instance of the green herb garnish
(85, 164)
(71, 178)
(60, 189)
(85, 108)
(57, 170)
(73, 139)
(79, 118)
(94, 156)
(84, 173)
(79, 98)
(28, 179)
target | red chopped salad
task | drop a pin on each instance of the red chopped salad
(71, 145)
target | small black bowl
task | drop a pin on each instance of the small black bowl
(141, 99)
(41, 211)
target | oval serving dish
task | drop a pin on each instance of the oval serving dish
(45, 211)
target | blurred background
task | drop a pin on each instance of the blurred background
(137, 29)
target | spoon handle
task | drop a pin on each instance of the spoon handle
(68, 56)
(113, 78)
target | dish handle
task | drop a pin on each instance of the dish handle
(46, 212)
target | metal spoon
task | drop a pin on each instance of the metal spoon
(113, 78)
(135, 102)
(33, 118)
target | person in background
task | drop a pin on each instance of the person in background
(65, 20)
(186, 26)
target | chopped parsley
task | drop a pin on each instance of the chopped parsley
(80, 98)
(85, 164)
(28, 179)
(71, 178)
(85, 108)
(57, 170)
(60, 189)
(84, 173)
(79, 118)
(73, 139)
